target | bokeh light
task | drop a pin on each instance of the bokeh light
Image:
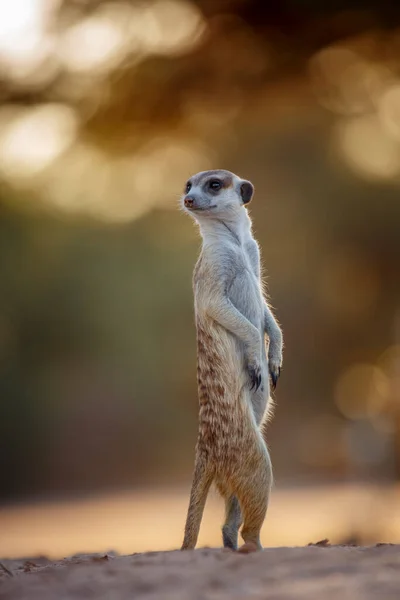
(389, 111)
(368, 149)
(361, 391)
(96, 43)
(26, 42)
(345, 81)
(31, 139)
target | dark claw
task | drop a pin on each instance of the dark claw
(255, 378)
(274, 378)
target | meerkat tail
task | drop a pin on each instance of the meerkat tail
(202, 480)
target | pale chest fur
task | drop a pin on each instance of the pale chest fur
(239, 267)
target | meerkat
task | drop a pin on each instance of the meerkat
(234, 362)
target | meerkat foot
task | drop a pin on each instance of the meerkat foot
(274, 367)
(249, 547)
(274, 373)
(186, 546)
(229, 538)
(254, 371)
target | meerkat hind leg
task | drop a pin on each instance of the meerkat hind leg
(254, 498)
(233, 521)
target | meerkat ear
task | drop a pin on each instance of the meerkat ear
(246, 191)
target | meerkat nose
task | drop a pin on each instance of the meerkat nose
(188, 202)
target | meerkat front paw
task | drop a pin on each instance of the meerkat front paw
(254, 370)
(274, 367)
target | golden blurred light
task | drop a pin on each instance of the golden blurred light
(362, 391)
(85, 181)
(163, 166)
(355, 81)
(31, 139)
(390, 359)
(71, 187)
(321, 441)
(206, 115)
(390, 364)
(98, 42)
(169, 27)
(24, 42)
(154, 177)
(349, 284)
(345, 82)
(389, 111)
(101, 41)
(16, 18)
(77, 181)
(367, 148)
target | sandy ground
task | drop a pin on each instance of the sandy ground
(328, 572)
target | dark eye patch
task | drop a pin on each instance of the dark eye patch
(215, 185)
(188, 187)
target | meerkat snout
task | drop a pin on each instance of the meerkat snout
(188, 202)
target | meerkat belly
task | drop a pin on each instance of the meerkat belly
(225, 423)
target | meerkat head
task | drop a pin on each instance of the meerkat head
(216, 194)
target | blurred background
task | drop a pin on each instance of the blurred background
(106, 109)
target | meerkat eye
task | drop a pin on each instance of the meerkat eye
(215, 185)
(188, 187)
